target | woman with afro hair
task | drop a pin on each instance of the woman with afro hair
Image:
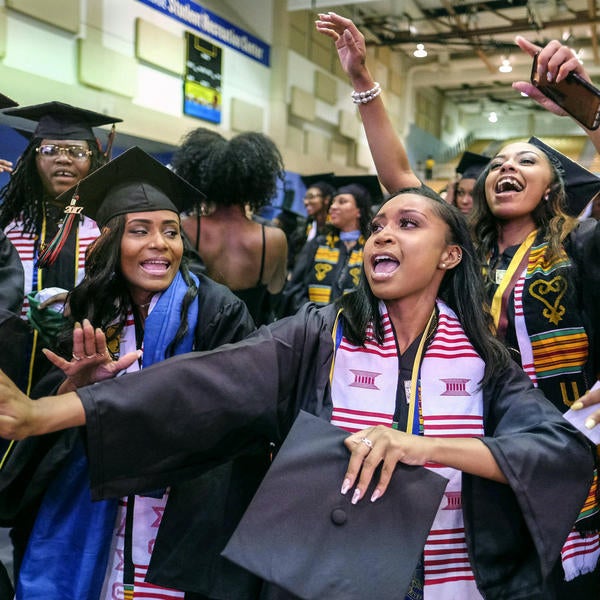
(236, 175)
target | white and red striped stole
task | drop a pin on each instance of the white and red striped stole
(451, 406)
(523, 340)
(25, 246)
(364, 385)
(580, 553)
(148, 514)
(364, 382)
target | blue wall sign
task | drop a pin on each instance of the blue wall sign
(204, 21)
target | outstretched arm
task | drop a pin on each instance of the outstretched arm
(387, 150)
(21, 417)
(555, 62)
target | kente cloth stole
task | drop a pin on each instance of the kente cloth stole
(554, 349)
(138, 518)
(27, 247)
(548, 324)
(443, 399)
(325, 271)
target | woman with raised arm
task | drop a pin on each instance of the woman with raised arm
(534, 252)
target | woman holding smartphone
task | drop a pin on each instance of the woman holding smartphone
(532, 250)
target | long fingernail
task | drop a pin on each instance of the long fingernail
(345, 486)
(577, 405)
(376, 495)
(356, 496)
(549, 76)
(590, 423)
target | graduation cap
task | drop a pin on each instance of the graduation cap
(132, 182)
(369, 182)
(471, 165)
(6, 102)
(310, 180)
(300, 533)
(59, 121)
(581, 185)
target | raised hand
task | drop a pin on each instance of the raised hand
(555, 61)
(349, 42)
(91, 361)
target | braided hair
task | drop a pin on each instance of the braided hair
(23, 197)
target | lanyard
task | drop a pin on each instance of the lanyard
(413, 412)
(510, 277)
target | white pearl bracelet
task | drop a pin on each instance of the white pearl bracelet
(367, 95)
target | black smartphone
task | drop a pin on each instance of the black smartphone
(573, 94)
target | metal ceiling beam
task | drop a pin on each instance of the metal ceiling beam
(582, 17)
(460, 25)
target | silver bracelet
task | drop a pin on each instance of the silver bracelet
(367, 95)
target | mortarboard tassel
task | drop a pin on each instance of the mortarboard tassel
(51, 250)
(109, 142)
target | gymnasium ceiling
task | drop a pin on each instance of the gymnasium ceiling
(466, 40)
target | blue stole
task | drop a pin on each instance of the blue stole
(68, 549)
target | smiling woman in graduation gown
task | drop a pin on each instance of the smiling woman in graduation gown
(37, 464)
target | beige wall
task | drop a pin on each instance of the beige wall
(126, 59)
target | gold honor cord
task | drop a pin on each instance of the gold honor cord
(333, 337)
(414, 380)
(508, 276)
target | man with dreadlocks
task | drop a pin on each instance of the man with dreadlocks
(63, 149)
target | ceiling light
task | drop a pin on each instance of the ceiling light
(493, 117)
(505, 67)
(567, 36)
(420, 52)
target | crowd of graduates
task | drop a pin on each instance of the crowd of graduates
(187, 392)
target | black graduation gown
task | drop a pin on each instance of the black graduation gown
(11, 276)
(223, 318)
(295, 292)
(232, 398)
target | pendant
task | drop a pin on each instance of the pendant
(500, 273)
